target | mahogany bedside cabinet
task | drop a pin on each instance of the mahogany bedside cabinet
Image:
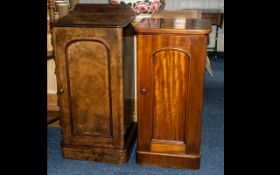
(171, 56)
(93, 47)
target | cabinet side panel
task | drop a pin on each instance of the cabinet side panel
(194, 121)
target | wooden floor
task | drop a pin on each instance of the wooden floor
(53, 111)
(53, 119)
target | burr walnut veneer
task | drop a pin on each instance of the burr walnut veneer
(171, 62)
(92, 47)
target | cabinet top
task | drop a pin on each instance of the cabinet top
(172, 26)
(97, 15)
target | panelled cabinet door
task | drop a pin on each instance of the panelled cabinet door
(89, 96)
(89, 90)
(170, 90)
(170, 87)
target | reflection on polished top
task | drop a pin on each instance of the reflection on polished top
(172, 26)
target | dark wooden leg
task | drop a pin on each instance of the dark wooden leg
(216, 43)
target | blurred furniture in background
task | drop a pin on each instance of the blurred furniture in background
(55, 10)
(73, 3)
(216, 17)
(53, 109)
(178, 14)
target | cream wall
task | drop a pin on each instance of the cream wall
(52, 88)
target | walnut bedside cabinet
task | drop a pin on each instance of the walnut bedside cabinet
(93, 46)
(171, 56)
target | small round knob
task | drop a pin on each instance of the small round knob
(61, 90)
(143, 91)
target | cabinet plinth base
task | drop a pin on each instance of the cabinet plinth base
(101, 154)
(168, 160)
